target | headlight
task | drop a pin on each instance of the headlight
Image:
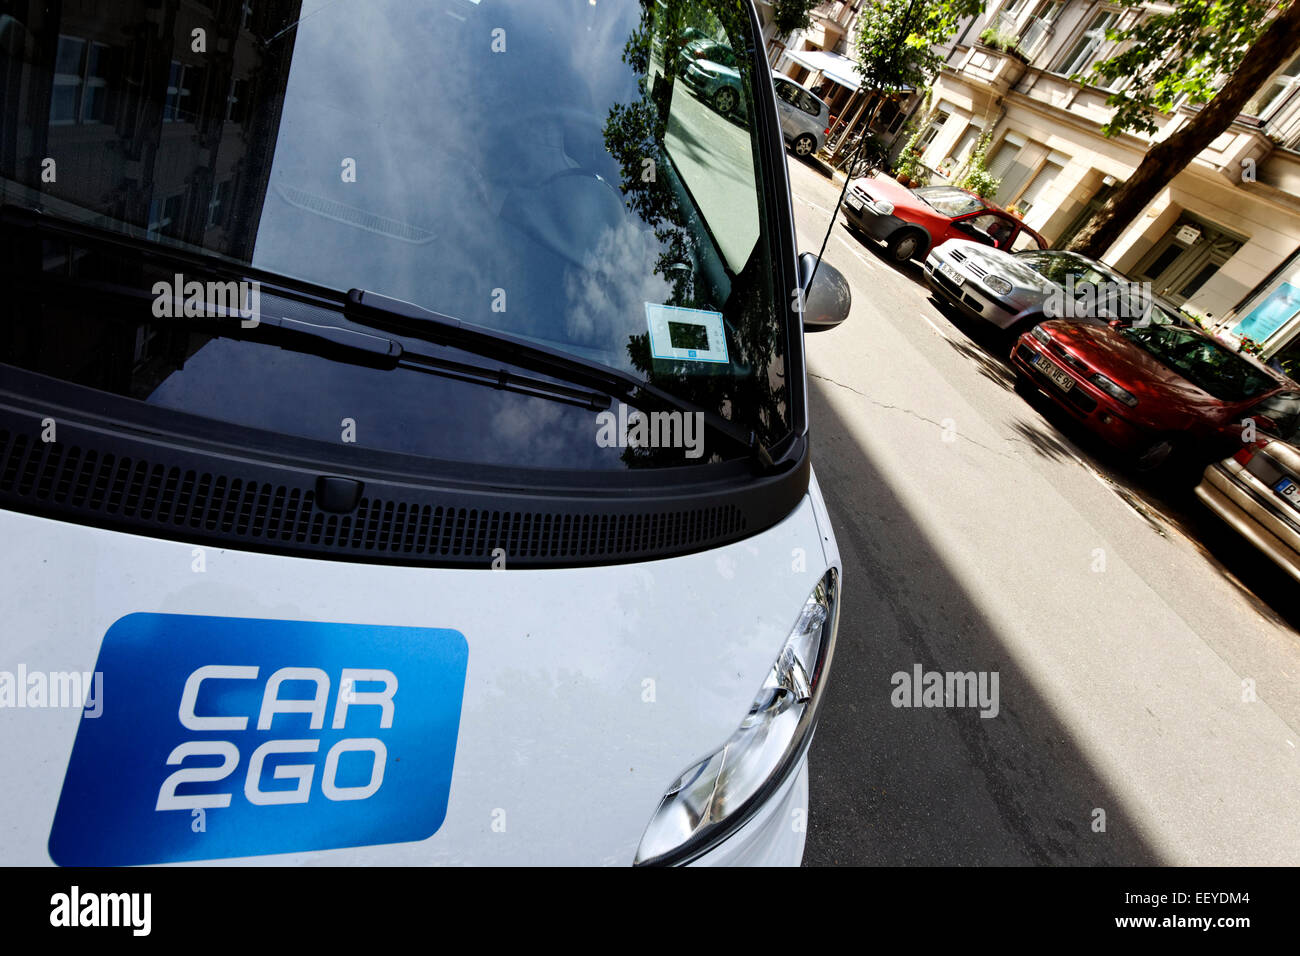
(1040, 333)
(716, 796)
(998, 284)
(1113, 390)
(883, 207)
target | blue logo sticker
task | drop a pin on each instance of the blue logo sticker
(226, 737)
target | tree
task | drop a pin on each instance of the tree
(791, 15)
(898, 42)
(1184, 52)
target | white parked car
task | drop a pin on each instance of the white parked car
(377, 488)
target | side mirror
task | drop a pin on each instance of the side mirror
(826, 304)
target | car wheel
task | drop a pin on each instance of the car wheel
(1025, 388)
(805, 145)
(905, 245)
(724, 101)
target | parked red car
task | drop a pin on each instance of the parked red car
(1153, 390)
(910, 222)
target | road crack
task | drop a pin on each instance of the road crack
(919, 417)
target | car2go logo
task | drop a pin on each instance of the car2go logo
(288, 736)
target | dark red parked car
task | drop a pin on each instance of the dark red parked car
(910, 222)
(1153, 390)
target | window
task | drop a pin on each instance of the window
(1284, 409)
(65, 98)
(236, 108)
(1004, 165)
(163, 216)
(81, 82)
(1038, 185)
(993, 225)
(949, 201)
(1201, 360)
(1275, 91)
(940, 118)
(1085, 49)
(179, 105)
(1039, 28)
(962, 150)
(217, 204)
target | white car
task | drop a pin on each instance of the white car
(381, 489)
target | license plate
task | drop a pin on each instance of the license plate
(1288, 490)
(1058, 376)
(951, 273)
(855, 204)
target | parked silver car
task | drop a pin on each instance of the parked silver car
(1014, 290)
(1257, 492)
(805, 117)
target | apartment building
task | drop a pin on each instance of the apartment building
(1223, 239)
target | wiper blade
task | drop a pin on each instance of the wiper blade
(384, 312)
(351, 346)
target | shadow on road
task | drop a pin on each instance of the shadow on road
(893, 785)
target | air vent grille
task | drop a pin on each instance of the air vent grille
(85, 483)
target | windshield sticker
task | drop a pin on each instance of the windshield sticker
(230, 737)
(688, 335)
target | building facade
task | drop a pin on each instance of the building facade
(1222, 240)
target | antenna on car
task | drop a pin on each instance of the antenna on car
(850, 167)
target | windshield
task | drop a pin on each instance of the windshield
(543, 169)
(1059, 266)
(949, 201)
(1205, 363)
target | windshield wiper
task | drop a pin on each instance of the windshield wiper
(350, 346)
(383, 313)
(378, 311)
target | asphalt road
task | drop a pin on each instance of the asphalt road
(1148, 706)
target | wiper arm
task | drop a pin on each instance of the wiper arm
(378, 311)
(351, 346)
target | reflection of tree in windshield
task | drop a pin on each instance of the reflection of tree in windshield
(751, 389)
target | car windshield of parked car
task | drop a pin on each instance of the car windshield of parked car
(1205, 363)
(949, 201)
(540, 168)
(1059, 266)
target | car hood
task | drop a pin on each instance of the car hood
(586, 692)
(1132, 367)
(892, 191)
(721, 69)
(1030, 284)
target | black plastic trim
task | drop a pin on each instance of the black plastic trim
(127, 466)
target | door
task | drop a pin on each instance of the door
(1185, 258)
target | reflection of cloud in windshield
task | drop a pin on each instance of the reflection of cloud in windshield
(605, 303)
(451, 143)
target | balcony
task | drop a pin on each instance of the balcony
(996, 69)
